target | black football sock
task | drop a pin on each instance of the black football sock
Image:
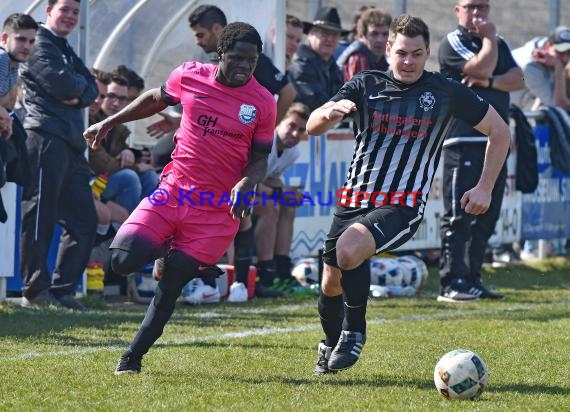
(243, 243)
(356, 287)
(331, 314)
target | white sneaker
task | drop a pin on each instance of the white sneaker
(529, 256)
(238, 293)
(199, 293)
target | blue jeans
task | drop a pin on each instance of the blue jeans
(124, 188)
(149, 181)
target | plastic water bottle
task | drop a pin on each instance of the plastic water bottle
(402, 290)
(377, 291)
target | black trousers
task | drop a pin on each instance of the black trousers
(464, 236)
(59, 193)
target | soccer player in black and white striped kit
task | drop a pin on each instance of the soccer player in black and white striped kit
(400, 119)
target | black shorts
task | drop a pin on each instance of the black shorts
(391, 227)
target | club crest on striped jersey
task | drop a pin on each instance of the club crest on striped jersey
(427, 101)
(247, 113)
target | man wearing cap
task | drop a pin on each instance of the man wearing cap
(546, 63)
(313, 71)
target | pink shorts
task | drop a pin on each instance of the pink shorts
(204, 234)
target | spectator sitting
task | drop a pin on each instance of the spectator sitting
(128, 180)
(293, 38)
(16, 42)
(313, 71)
(368, 52)
(135, 82)
(545, 62)
(274, 219)
(102, 79)
(110, 211)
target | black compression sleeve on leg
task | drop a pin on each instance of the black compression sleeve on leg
(179, 269)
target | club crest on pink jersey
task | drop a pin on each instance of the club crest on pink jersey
(247, 113)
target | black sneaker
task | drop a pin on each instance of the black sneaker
(43, 299)
(347, 350)
(458, 291)
(69, 301)
(128, 364)
(262, 291)
(482, 292)
(322, 366)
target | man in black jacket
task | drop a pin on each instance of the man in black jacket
(58, 86)
(16, 42)
(313, 71)
(475, 55)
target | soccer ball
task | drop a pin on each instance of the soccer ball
(410, 271)
(385, 272)
(422, 268)
(460, 374)
(306, 271)
(414, 271)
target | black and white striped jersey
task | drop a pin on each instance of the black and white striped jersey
(399, 130)
(456, 49)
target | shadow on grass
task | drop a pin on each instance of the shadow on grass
(378, 381)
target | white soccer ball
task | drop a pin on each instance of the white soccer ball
(146, 285)
(460, 374)
(189, 289)
(306, 271)
(423, 269)
(414, 270)
(385, 272)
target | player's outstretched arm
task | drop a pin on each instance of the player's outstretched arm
(145, 105)
(478, 199)
(326, 116)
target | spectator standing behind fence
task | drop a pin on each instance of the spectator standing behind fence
(400, 121)
(545, 62)
(347, 38)
(58, 86)
(476, 56)
(238, 117)
(207, 22)
(368, 51)
(313, 71)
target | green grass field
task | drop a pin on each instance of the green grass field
(260, 355)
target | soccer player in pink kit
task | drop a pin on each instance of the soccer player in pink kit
(221, 152)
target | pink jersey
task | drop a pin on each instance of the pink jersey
(220, 126)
